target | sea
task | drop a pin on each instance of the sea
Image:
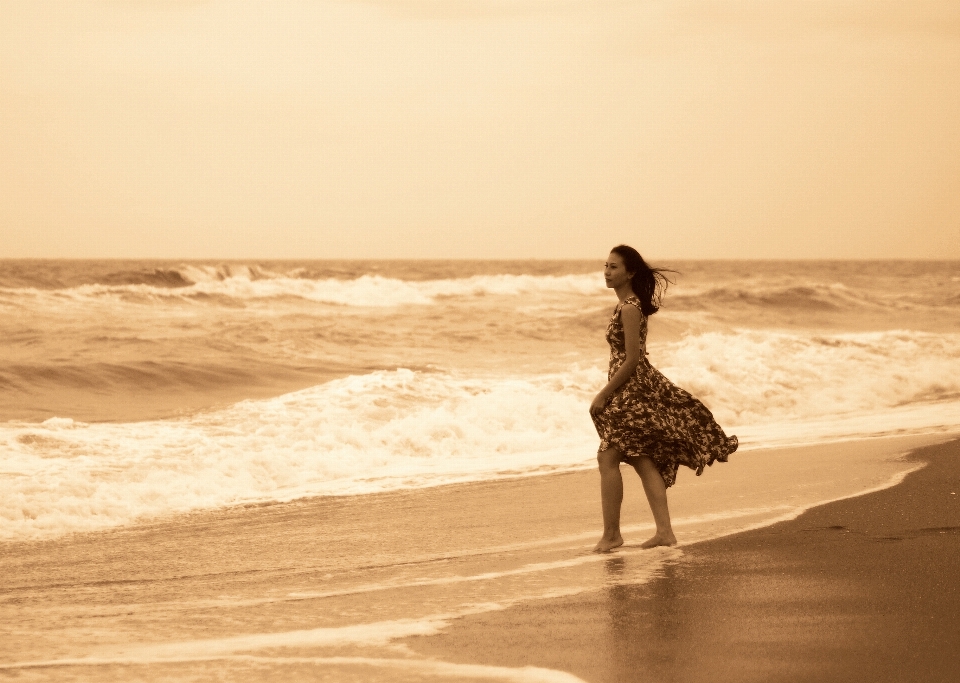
(151, 409)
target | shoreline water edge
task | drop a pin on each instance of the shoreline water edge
(316, 588)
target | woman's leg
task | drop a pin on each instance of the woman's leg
(611, 496)
(656, 492)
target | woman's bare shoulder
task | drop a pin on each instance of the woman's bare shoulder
(630, 310)
(630, 305)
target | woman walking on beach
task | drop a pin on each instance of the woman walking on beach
(643, 418)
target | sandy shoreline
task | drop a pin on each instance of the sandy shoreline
(231, 585)
(858, 589)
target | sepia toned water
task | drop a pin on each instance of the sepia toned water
(204, 462)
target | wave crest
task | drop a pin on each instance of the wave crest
(250, 284)
(813, 297)
(404, 429)
(359, 434)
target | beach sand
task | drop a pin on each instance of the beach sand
(338, 588)
(862, 589)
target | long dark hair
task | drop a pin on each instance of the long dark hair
(649, 284)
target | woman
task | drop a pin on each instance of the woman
(643, 418)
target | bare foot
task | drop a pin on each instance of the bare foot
(660, 539)
(605, 545)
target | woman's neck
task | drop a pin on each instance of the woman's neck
(624, 291)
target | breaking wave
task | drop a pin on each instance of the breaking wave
(401, 429)
(241, 284)
(237, 284)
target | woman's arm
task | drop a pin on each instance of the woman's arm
(630, 319)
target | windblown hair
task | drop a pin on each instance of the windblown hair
(649, 284)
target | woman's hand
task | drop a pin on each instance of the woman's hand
(599, 403)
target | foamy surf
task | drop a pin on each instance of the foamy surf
(760, 377)
(763, 286)
(395, 430)
(377, 432)
(365, 291)
(514, 359)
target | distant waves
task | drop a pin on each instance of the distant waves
(803, 291)
(241, 285)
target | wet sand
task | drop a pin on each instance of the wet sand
(331, 588)
(863, 589)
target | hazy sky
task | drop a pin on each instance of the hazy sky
(493, 128)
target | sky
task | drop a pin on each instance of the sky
(520, 129)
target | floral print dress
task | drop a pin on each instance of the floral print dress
(649, 415)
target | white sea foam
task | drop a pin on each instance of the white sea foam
(376, 432)
(244, 284)
(761, 377)
(403, 429)
(770, 291)
(375, 290)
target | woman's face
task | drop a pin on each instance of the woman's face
(614, 272)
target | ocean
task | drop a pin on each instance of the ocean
(150, 410)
